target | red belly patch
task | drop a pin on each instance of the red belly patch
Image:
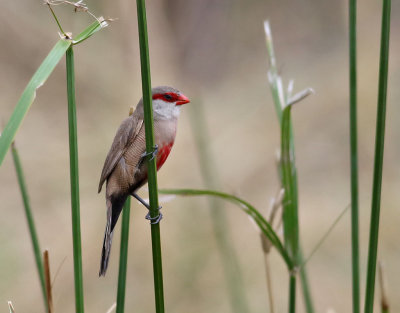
(163, 153)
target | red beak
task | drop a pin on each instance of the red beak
(182, 99)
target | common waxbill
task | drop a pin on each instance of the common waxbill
(125, 168)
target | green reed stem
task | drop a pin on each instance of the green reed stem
(123, 257)
(152, 173)
(30, 220)
(354, 154)
(292, 293)
(378, 163)
(74, 174)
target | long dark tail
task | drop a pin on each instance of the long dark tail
(114, 209)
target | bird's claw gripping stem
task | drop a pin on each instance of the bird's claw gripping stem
(153, 153)
(156, 219)
(153, 220)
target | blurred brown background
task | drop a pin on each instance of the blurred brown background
(214, 51)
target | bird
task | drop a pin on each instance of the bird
(125, 167)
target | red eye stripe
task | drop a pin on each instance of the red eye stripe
(168, 96)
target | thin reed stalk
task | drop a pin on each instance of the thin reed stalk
(305, 285)
(123, 257)
(232, 271)
(30, 220)
(354, 155)
(152, 173)
(269, 283)
(378, 163)
(74, 177)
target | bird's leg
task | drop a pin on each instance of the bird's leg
(153, 153)
(153, 220)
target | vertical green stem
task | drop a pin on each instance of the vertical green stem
(354, 154)
(74, 174)
(152, 173)
(292, 293)
(291, 201)
(378, 163)
(29, 218)
(123, 257)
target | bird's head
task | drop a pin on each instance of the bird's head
(168, 95)
(166, 102)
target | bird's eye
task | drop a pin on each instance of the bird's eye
(167, 97)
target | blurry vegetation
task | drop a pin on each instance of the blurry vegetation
(215, 51)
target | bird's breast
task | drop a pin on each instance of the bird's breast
(164, 133)
(163, 153)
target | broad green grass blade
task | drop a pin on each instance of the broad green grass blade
(74, 177)
(264, 226)
(29, 94)
(30, 220)
(123, 257)
(378, 162)
(290, 214)
(354, 154)
(152, 172)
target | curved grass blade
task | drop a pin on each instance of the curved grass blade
(378, 162)
(264, 226)
(30, 220)
(29, 94)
